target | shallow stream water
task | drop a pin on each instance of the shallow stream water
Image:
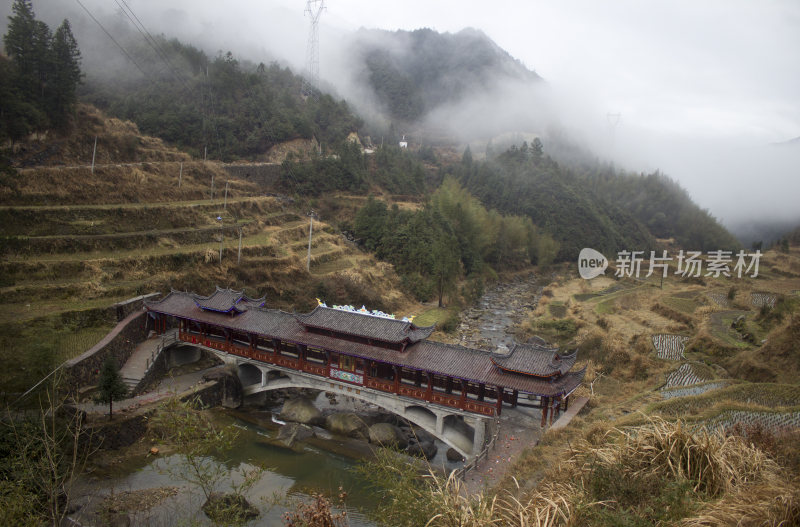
(289, 473)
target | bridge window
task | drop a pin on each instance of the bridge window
(408, 376)
(440, 383)
(216, 334)
(240, 339)
(317, 356)
(290, 350)
(264, 345)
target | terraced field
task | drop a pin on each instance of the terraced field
(73, 242)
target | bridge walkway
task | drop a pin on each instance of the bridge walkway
(135, 368)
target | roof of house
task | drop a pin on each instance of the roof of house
(364, 325)
(535, 359)
(470, 364)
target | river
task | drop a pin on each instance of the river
(321, 465)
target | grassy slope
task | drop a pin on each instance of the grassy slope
(615, 322)
(72, 243)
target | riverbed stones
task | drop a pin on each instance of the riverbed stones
(229, 508)
(292, 433)
(347, 424)
(300, 410)
(386, 434)
(454, 455)
(425, 449)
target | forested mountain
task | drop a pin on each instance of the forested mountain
(234, 109)
(598, 207)
(414, 72)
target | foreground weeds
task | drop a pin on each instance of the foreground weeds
(659, 473)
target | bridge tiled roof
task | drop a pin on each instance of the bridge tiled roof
(227, 300)
(535, 359)
(473, 365)
(363, 325)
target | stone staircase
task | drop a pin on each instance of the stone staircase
(142, 357)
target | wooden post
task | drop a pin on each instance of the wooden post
(180, 175)
(239, 259)
(545, 403)
(212, 187)
(94, 152)
(429, 391)
(499, 403)
(396, 379)
(514, 398)
(205, 154)
(310, 229)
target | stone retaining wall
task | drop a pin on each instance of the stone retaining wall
(126, 307)
(119, 344)
(691, 390)
(772, 421)
(669, 347)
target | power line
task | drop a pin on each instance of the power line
(112, 38)
(151, 41)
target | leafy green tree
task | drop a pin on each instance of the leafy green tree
(110, 386)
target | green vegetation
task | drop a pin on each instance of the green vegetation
(592, 205)
(451, 235)
(110, 386)
(196, 440)
(38, 81)
(43, 452)
(234, 109)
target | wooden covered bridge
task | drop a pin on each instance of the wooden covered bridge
(382, 360)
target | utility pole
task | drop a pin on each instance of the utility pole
(94, 152)
(212, 187)
(239, 259)
(310, 230)
(225, 203)
(180, 175)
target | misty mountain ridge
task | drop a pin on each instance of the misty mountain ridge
(414, 73)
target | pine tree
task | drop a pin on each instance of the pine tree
(111, 387)
(19, 38)
(66, 73)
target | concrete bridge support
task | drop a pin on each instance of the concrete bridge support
(463, 431)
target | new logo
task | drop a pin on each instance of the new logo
(591, 263)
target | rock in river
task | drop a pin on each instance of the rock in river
(300, 410)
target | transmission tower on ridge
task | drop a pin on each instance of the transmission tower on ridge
(311, 83)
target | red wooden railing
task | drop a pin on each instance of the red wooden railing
(452, 401)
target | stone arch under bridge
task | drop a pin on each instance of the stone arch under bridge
(465, 432)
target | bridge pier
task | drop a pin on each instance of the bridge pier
(479, 437)
(264, 377)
